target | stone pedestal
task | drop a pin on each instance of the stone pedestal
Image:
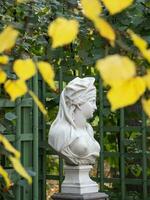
(89, 196)
(78, 185)
(77, 180)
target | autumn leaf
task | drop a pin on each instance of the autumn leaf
(8, 38)
(22, 1)
(15, 88)
(116, 6)
(91, 9)
(105, 30)
(146, 78)
(19, 168)
(4, 174)
(127, 93)
(146, 106)
(38, 103)
(3, 76)
(115, 69)
(4, 60)
(141, 44)
(24, 69)
(8, 146)
(146, 54)
(137, 40)
(63, 31)
(47, 73)
(14, 160)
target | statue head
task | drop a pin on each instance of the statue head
(79, 94)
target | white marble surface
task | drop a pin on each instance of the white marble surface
(77, 180)
(70, 134)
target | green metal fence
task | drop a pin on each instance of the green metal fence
(123, 169)
(23, 132)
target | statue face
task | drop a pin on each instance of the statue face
(88, 108)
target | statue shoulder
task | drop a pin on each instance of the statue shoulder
(89, 129)
(60, 135)
(59, 127)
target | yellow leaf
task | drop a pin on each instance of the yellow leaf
(3, 76)
(47, 73)
(115, 69)
(137, 40)
(146, 78)
(105, 30)
(4, 59)
(127, 93)
(19, 168)
(91, 9)
(8, 38)
(22, 1)
(38, 102)
(24, 69)
(63, 31)
(146, 106)
(141, 44)
(15, 88)
(146, 54)
(116, 6)
(4, 174)
(8, 146)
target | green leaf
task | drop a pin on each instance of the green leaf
(10, 116)
(2, 128)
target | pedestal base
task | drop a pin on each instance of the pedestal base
(78, 185)
(91, 196)
(77, 180)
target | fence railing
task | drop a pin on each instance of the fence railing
(123, 168)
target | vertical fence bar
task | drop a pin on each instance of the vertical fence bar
(35, 141)
(60, 159)
(44, 139)
(26, 192)
(122, 158)
(101, 102)
(18, 142)
(144, 156)
(80, 71)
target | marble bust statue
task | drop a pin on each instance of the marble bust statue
(70, 134)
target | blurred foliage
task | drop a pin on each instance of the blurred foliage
(78, 59)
